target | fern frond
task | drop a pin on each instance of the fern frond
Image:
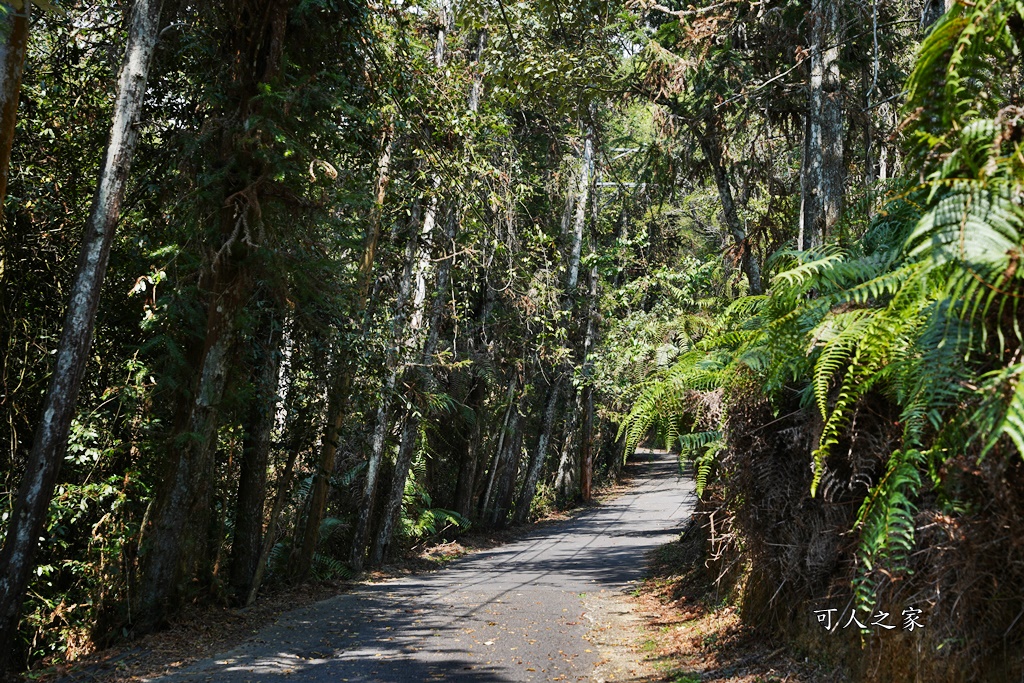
(325, 568)
(1002, 411)
(974, 222)
(804, 274)
(695, 441)
(886, 521)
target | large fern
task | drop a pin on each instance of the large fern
(930, 297)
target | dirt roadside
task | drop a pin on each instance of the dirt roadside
(693, 633)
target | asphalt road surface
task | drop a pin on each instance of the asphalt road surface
(519, 612)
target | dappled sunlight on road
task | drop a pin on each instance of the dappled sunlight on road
(513, 613)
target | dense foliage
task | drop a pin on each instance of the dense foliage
(384, 272)
(890, 364)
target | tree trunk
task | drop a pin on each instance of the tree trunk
(339, 396)
(422, 271)
(13, 47)
(175, 551)
(299, 419)
(362, 529)
(466, 484)
(176, 541)
(587, 435)
(505, 487)
(373, 231)
(51, 435)
(470, 465)
(393, 501)
(302, 559)
(587, 455)
(574, 220)
(410, 341)
(426, 384)
(933, 11)
(477, 87)
(471, 456)
(499, 449)
(252, 479)
(822, 177)
(422, 348)
(711, 144)
(566, 483)
(579, 215)
(540, 452)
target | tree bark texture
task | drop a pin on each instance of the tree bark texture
(382, 425)
(339, 396)
(302, 559)
(470, 466)
(252, 479)
(175, 548)
(574, 220)
(376, 215)
(407, 341)
(566, 481)
(710, 141)
(426, 384)
(300, 419)
(823, 178)
(933, 11)
(499, 449)
(587, 435)
(396, 490)
(175, 552)
(470, 463)
(579, 214)
(423, 340)
(50, 441)
(358, 551)
(13, 48)
(508, 470)
(587, 455)
(540, 451)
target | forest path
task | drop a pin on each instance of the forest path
(544, 608)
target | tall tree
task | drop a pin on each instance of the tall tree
(14, 24)
(822, 187)
(258, 426)
(176, 543)
(51, 435)
(416, 342)
(340, 394)
(395, 364)
(710, 139)
(574, 221)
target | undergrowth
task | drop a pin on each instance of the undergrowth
(857, 431)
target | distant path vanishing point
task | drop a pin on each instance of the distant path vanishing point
(519, 612)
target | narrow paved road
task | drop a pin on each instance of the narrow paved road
(515, 613)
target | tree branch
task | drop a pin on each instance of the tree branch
(680, 14)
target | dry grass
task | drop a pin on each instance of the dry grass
(694, 632)
(197, 632)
